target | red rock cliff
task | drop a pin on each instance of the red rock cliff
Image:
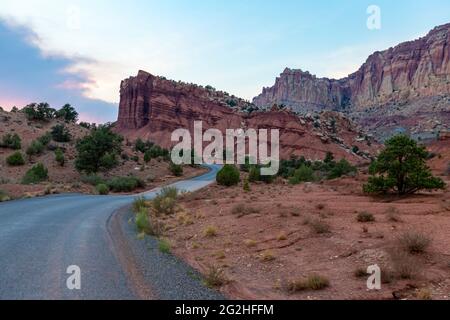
(151, 108)
(409, 71)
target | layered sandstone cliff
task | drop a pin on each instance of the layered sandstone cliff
(410, 79)
(151, 108)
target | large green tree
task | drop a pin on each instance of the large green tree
(98, 150)
(401, 167)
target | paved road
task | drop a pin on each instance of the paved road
(41, 237)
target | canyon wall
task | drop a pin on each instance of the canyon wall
(151, 108)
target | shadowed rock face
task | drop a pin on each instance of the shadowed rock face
(409, 71)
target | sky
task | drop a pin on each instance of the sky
(78, 51)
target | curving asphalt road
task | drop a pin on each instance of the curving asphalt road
(41, 237)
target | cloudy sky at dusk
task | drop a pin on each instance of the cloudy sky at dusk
(78, 51)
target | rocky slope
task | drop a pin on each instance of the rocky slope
(387, 92)
(152, 108)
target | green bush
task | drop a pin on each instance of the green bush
(164, 246)
(165, 202)
(16, 159)
(59, 157)
(36, 174)
(45, 139)
(102, 189)
(68, 113)
(365, 217)
(60, 133)
(36, 148)
(246, 186)
(401, 167)
(138, 204)
(228, 176)
(175, 169)
(125, 184)
(92, 179)
(255, 175)
(40, 112)
(11, 141)
(98, 150)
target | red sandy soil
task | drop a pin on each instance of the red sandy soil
(281, 226)
(67, 179)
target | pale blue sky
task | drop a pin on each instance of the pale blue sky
(78, 51)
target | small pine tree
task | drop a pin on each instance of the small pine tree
(401, 167)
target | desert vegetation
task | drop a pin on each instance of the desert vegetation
(316, 235)
(77, 157)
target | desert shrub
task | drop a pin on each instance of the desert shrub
(142, 222)
(68, 113)
(267, 256)
(447, 171)
(92, 179)
(125, 184)
(139, 203)
(365, 217)
(142, 146)
(98, 150)
(152, 151)
(16, 159)
(39, 112)
(166, 201)
(176, 169)
(11, 141)
(164, 246)
(405, 267)
(36, 148)
(45, 139)
(319, 226)
(214, 277)
(401, 168)
(59, 157)
(242, 210)
(36, 174)
(169, 192)
(4, 196)
(102, 189)
(340, 169)
(228, 176)
(424, 294)
(313, 282)
(360, 273)
(60, 133)
(210, 231)
(392, 215)
(246, 185)
(414, 242)
(302, 174)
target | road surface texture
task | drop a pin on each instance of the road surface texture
(41, 237)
